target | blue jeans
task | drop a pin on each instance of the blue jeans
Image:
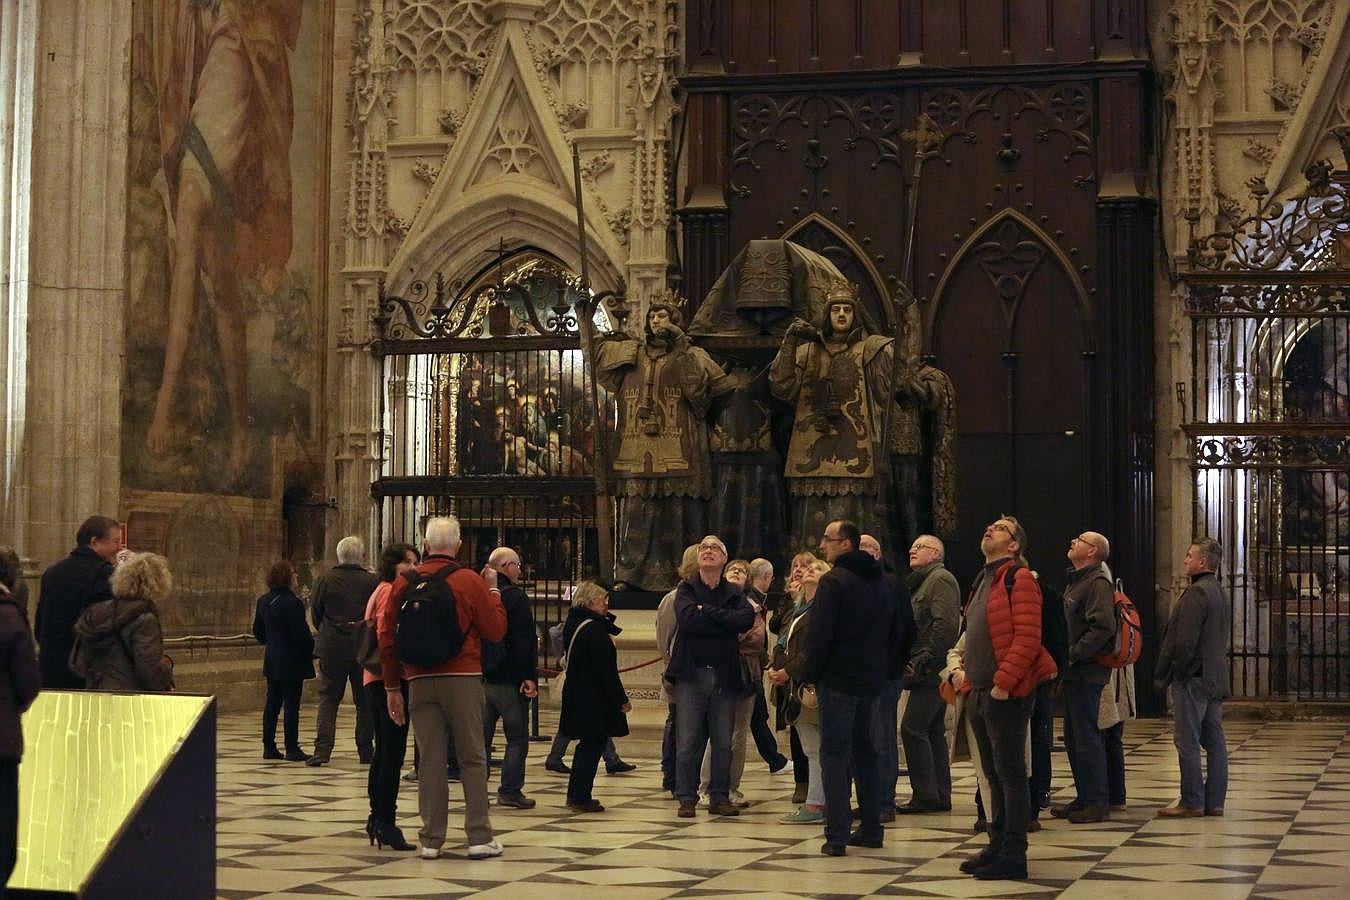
(885, 737)
(1198, 722)
(848, 746)
(1083, 742)
(507, 702)
(704, 712)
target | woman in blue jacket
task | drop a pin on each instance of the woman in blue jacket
(280, 625)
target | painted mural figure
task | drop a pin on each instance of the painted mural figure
(221, 72)
(839, 378)
(664, 386)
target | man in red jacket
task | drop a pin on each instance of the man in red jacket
(446, 700)
(1004, 661)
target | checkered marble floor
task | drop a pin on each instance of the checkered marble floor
(290, 831)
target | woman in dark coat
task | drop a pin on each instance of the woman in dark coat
(594, 703)
(19, 680)
(280, 625)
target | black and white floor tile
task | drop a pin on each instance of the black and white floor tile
(288, 831)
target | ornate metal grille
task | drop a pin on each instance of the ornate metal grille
(486, 413)
(1269, 422)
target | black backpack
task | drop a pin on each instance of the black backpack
(428, 631)
(1054, 623)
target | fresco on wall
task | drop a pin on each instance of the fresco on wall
(222, 341)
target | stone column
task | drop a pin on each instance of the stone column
(69, 406)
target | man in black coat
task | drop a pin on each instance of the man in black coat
(510, 668)
(858, 636)
(67, 588)
(705, 666)
(339, 604)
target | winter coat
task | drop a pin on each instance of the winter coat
(593, 695)
(665, 636)
(68, 587)
(519, 652)
(338, 603)
(1090, 611)
(279, 624)
(1117, 699)
(1195, 644)
(937, 618)
(19, 674)
(709, 623)
(119, 647)
(862, 630)
(1021, 662)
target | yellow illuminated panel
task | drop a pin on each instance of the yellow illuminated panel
(88, 759)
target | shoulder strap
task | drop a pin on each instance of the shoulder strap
(568, 654)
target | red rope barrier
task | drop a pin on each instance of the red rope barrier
(549, 673)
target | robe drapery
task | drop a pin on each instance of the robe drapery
(661, 455)
(223, 85)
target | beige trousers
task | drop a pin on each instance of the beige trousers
(443, 707)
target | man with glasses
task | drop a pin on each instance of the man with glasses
(509, 672)
(857, 632)
(705, 666)
(1089, 607)
(1004, 662)
(937, 617)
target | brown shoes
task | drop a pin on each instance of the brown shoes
(1180, 812)
(723, 808)
(687, 809)
(1216, 811)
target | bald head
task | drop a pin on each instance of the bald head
(1089, 549)
(506, 561)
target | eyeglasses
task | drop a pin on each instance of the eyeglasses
(516, 563)
(999, 526)
(918, 547)
(705, 547)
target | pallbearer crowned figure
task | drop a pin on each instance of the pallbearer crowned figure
(839, 377)
(663, 385)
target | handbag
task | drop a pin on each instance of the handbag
(366, 640)
(561, 678)
(806, 696)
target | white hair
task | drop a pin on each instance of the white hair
(351, 551)
(759, 567)
(442, 534)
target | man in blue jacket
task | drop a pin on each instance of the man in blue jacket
(705, 666)
(858, 635)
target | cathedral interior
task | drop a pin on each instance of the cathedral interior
(599, 277)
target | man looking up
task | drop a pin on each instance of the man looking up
(1089, 608)
(856, 635)
(705, 667)
(1004, 662)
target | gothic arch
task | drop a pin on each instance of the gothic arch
(862, 269)
(455, 241)
(1010, 263)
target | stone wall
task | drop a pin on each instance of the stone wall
(1254, 91)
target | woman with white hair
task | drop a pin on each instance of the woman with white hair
(118, 642)
(594, 703)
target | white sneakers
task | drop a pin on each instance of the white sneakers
(485, 851)
(476, 851)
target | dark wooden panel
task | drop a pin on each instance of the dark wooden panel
(783, 36)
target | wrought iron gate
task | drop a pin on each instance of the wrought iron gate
(1269, 422)
(486, 413)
